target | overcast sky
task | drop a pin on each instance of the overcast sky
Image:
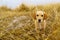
(14, 3)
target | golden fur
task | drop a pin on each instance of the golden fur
(39, 19)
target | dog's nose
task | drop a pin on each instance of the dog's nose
(39, 20)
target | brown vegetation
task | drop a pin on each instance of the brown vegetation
(18, 25)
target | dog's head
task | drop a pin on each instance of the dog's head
(39, 16)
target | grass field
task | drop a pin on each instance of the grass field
(17, 24)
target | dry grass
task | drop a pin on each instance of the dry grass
(18, 25)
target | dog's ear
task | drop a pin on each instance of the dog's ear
(45, 16)
(33, 15)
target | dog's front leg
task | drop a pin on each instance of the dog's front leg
(44, 24)
(36, 26)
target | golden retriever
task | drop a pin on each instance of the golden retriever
(39, 19)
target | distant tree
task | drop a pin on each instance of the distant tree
(4, 8)
(22, 7)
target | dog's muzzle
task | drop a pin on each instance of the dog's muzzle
(39, 20)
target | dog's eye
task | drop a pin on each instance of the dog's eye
(42, 15)
(37, 15)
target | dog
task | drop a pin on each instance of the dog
(39, 18)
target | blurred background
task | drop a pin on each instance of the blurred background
(15, 3)
(16, 22)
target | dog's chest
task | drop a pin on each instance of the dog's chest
(41, 25)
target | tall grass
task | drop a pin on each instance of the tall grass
(17, 24)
